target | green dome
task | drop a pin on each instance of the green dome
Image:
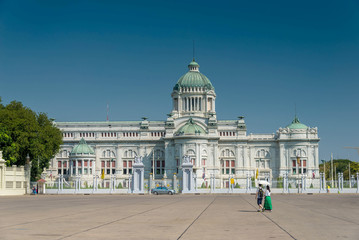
(82, 149)
(193, 63)
(191, 128)
(193, 78)
(296, 124)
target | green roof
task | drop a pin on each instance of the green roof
(193, 79)
(296, 124)
(193, 63)
(82, 149)
(191, 128)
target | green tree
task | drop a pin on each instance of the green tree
(341, 166)
(24, 132)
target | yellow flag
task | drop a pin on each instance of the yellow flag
(103, 174)
(257, 174)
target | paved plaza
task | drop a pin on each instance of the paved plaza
(178, 217)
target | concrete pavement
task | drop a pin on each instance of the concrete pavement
(178, 217)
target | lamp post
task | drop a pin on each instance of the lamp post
(153, 165)
(298, 162)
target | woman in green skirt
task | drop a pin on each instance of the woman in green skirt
(267, 200)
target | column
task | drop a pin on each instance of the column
(119, 163)
(82, 166)
(77, 167)
(198, 155)
(213, 105)
(179, 103)
(88, 166)
(237, 159)
(97, 170)
(316, 161)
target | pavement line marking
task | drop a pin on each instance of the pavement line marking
(313, 210)
(197, 218)
(117, 220)
(56, 217)
(270, 219)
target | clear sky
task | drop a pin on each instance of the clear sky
(70, 58)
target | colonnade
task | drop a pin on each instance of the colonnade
(74, 165)
(192, 104)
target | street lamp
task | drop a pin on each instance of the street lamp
(298, 162)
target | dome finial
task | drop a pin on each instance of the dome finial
(193, 52)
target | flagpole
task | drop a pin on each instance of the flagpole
(331, 162)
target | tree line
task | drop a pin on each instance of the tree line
(339, 166)
(23, 133)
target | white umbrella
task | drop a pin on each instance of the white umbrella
(264, 183)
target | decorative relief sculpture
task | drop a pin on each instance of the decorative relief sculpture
(186, 159)
(138, 159)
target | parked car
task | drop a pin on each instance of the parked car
(162, 190)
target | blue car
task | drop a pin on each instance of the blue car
(162, 190)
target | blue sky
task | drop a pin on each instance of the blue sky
(70, 58)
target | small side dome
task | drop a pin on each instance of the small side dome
(193, 78)
(296, 124)
(82, 149)
(190, 128)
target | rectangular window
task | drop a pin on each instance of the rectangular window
(59, 164)
(294, 163)
(79, 163)
(304, 163)
(108, 164)
(125, 171)
(158, 164)
(130, 164)
(113, 171)
(85, 171)
(227, 163)
(163, 164)
(65, 171)
(232, 164)
(113, 164)
(125, 164)
(85, 163)
(65, 164)
(59, 171)
(203, 162)
(103, 164)
(80, 171)
(108, 171)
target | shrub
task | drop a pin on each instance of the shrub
(119, 185)
(311, 185)
(237, 186)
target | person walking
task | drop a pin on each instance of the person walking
(259, 197)
(267, 200)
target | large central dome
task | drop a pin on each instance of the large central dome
(194, 79)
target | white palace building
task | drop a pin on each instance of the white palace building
(219, 147)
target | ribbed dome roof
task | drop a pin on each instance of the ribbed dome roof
(82, 149)
(296, 124)
(191, 128)
(193, 78)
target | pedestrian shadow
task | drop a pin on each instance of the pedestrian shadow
(247, 210)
